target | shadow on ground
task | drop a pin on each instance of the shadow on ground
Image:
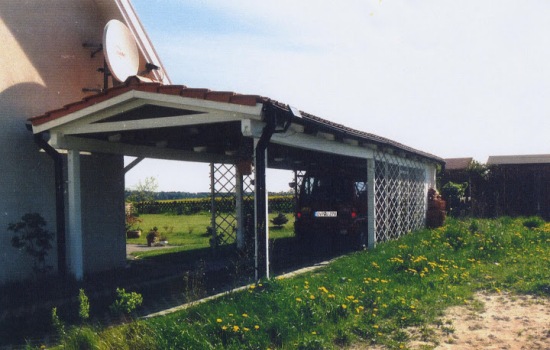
(165, 281)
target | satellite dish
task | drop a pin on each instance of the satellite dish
(120, 50)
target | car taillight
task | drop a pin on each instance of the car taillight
(299, 215)
(353, 214)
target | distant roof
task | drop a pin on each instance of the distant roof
(457, 163)
(135, 83)
(519, 159)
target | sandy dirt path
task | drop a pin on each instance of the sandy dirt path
(490, 322)
(504, 322)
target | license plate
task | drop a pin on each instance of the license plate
(326, 214)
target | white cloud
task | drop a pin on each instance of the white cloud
(453, 78)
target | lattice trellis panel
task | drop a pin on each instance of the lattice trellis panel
(223, 190)
(298, 179)
(400, 196)
(224, 198)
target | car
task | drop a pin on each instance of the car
(333, 204)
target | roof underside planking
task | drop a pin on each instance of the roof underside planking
(175, 122)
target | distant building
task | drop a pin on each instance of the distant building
(521, 184)
(456, 170)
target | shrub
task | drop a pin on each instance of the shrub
(132, 221)
(280, 220)
(83, 306)
(153, 236)
(126, 303)
(57, 324)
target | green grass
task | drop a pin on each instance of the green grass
(188, 232)
(370, 296)
(180, 230)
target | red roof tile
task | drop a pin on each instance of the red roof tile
(220, 96)
(195, 93)
(135, 84)
(171, 89)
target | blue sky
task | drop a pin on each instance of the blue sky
(453, 78)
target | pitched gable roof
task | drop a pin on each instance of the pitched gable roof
(135, 84)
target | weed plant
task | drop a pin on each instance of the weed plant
(373, 297)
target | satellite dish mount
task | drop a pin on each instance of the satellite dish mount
(121, 55)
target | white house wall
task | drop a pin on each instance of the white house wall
(44, 66)
(103, 217)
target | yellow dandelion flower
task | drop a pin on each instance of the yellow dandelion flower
(256, 327)
(235, 328)
(332, 296)
(344, 306)
(224, 328)
(245, 315)
(312, 297)
(299, 300)
(246, 329)
(314, 333)
(219, 320)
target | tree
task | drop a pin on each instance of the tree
(144, 191)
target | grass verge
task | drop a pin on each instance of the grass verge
(372, 296)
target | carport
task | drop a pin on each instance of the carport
(239, 135)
